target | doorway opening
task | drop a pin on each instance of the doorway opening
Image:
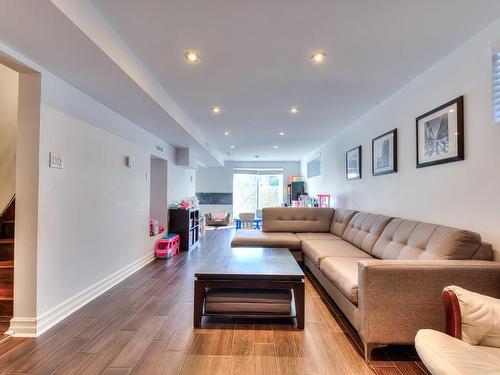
(9, 92)
(158, 203)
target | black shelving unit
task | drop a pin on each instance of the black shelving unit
(294, 189)
(186, 223)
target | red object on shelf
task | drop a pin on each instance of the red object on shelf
(167, 247)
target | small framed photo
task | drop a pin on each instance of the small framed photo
(384, 153)
(353, 164)
(440, 134)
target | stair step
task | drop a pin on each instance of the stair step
(6, 307)
(7, 221)
(6, 264)
(7, 293)
(6, 241)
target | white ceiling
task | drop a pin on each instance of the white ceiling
(254, 60)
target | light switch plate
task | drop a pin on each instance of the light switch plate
(129, 161)
(55, 160)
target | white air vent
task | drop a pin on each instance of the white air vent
(496, 87)
(159, 148)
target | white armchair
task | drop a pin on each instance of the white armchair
(471, 344)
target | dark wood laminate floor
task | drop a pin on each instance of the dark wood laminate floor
(143, 325)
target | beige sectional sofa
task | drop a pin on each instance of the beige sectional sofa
(386, 274)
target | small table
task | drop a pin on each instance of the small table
(257, 222)
(251, 268)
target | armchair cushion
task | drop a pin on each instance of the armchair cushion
(444, 355)
(480, 317)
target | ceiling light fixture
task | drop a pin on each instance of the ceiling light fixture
(232, 147)
(275, 147)
(192, 57)
(318, 57)
(226, 133)
(294, 109)
(215, 109)
(282, 133)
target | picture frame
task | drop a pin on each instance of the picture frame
(440, 134)
(353, 164)
(385, 153)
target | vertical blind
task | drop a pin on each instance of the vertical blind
(496, 87)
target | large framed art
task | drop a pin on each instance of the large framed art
(385, 153)
(353, 164)
(440, 134)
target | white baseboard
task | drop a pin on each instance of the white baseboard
(33, 327)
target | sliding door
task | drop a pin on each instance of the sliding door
(254, 189)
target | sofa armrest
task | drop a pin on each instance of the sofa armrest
(396, 298)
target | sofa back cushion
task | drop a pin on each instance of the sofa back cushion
(364, 229)
(408, 239)
(341, 218)
(296, 219)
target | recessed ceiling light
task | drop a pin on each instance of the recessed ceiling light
(192, 57)
(215, 109)
(226, 133)
(294, 109)
(275, 147)
(282, 133)
(318, 57)
(232, 146)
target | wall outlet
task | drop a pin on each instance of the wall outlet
(55, 160)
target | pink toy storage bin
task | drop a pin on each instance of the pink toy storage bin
(167, 247)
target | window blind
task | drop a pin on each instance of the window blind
(261, 172)
(496, 87)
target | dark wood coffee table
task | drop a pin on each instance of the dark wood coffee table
(251, 268)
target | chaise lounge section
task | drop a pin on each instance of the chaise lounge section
(386, 274)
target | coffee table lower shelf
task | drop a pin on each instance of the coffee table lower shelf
(297, 308)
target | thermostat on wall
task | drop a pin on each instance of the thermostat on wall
(55, 160)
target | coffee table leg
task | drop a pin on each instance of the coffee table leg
(298, 295)
(198, 303)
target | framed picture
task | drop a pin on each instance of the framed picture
(353, 163)
(384, 153)
(440, 134)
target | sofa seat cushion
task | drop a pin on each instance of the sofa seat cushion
(343, 273)
(408, 239)
(443, 354)
(317, 236)
(316, 250)
(257, 238)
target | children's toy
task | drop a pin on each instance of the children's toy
(167, 246)
(154, 227)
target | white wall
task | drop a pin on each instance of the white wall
(93, 214)
(9, 87)
(158, 207)
(220, 179)
(462, 194)
(90, 219)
